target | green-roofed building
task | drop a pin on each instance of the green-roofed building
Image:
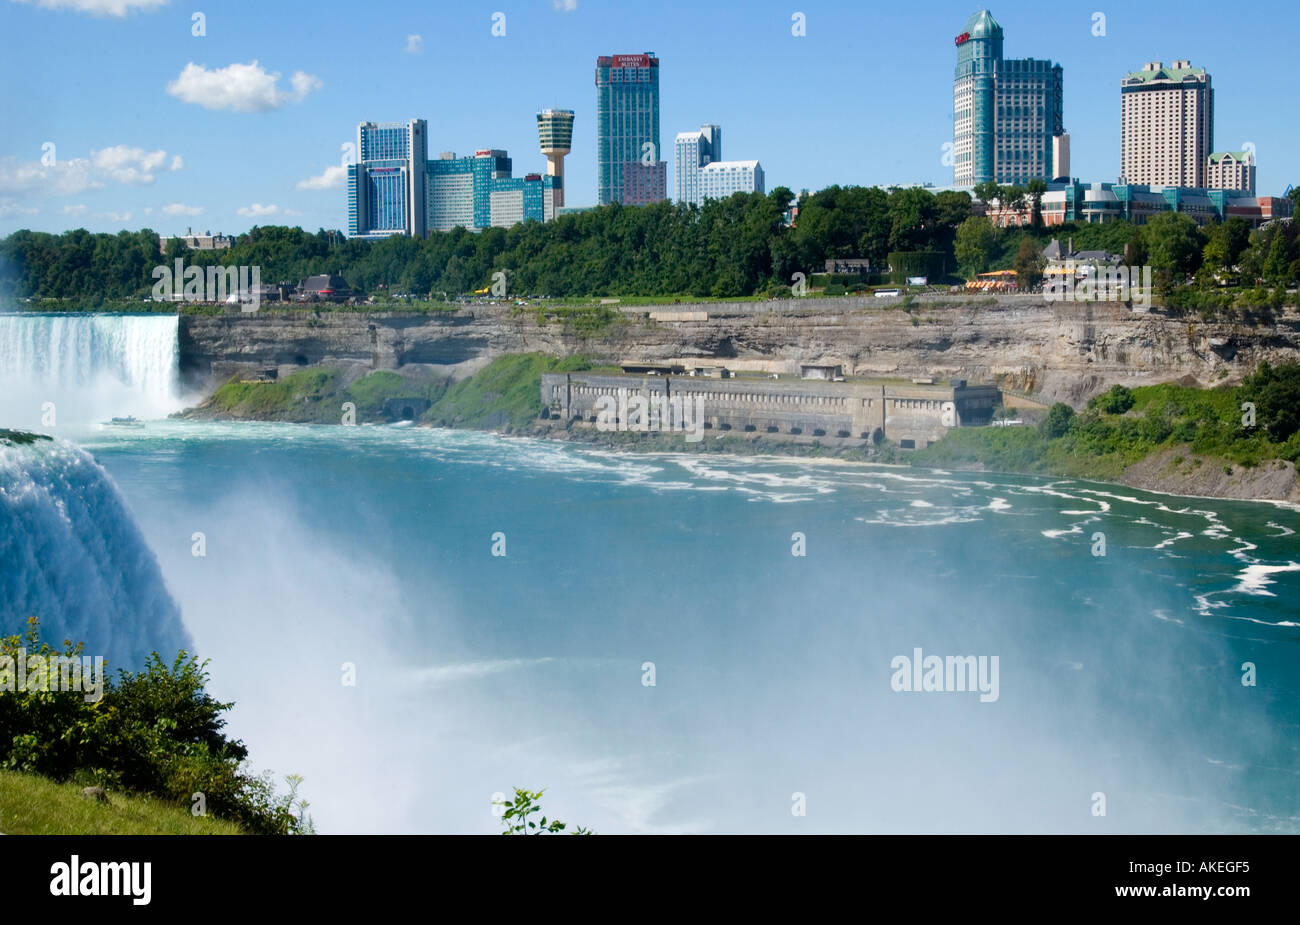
(1008, 122)
(1167, 131)
(1231, 170)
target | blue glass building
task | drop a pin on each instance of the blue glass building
(627, 130)
(1008, 113)
(386, 185)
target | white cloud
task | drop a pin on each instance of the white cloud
(567, 6)
(414, 44)
(69, 177)
(180, 208)
(241, 87)
(117, 8)
(119, 217)
(11, 209)
(130, 165)
(257, 210)
(332, 178)
(74, 210)
(64, 178)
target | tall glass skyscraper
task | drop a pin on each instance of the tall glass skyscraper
(629, 163)
(386, 185)
(1008, 113)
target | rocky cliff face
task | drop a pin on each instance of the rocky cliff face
(1058, 351)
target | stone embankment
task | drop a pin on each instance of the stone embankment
(1052, 351)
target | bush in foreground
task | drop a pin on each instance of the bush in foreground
(156, 732)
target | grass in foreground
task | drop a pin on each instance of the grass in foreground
(35, 805)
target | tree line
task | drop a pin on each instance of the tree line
(740, 246)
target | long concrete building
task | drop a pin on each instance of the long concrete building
(911, 415)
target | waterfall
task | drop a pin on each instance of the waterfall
(72, 556)
(87, 367)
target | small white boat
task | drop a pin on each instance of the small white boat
(127, 421)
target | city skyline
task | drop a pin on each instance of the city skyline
(190, 149)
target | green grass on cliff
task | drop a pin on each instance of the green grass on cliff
(504, 395)
(1102, 441)
(305, 396)
(35, 805)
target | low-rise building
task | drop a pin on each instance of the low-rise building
(910, 415)
(1136, 203)
(324, 287)
(197, 242)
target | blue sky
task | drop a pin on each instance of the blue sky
(149, 129)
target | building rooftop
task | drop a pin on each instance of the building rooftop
(982, 25)
(1240, 157)
(1155, 70)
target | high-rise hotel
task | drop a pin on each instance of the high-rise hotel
(1008, 122)
(394, 188)
(702, 174)
(386, 185)
(629, 165)
(1167, 124)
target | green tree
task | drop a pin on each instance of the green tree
(974, 245)
(1035, 190)
(1057, 423)
(1135, 251)
(1275, 392)
(1028, 264)
(1174, 244)
(987, 191)
(1013, 197)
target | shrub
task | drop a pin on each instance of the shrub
(155, 732)
(1057, 423)
(1117, 401)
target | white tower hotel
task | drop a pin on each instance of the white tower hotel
(1167, 133)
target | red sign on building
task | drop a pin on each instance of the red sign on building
(962, 39)
(631, 61)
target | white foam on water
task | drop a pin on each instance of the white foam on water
(912, 517)
(1254, 579)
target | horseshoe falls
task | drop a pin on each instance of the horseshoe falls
(72, 556)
